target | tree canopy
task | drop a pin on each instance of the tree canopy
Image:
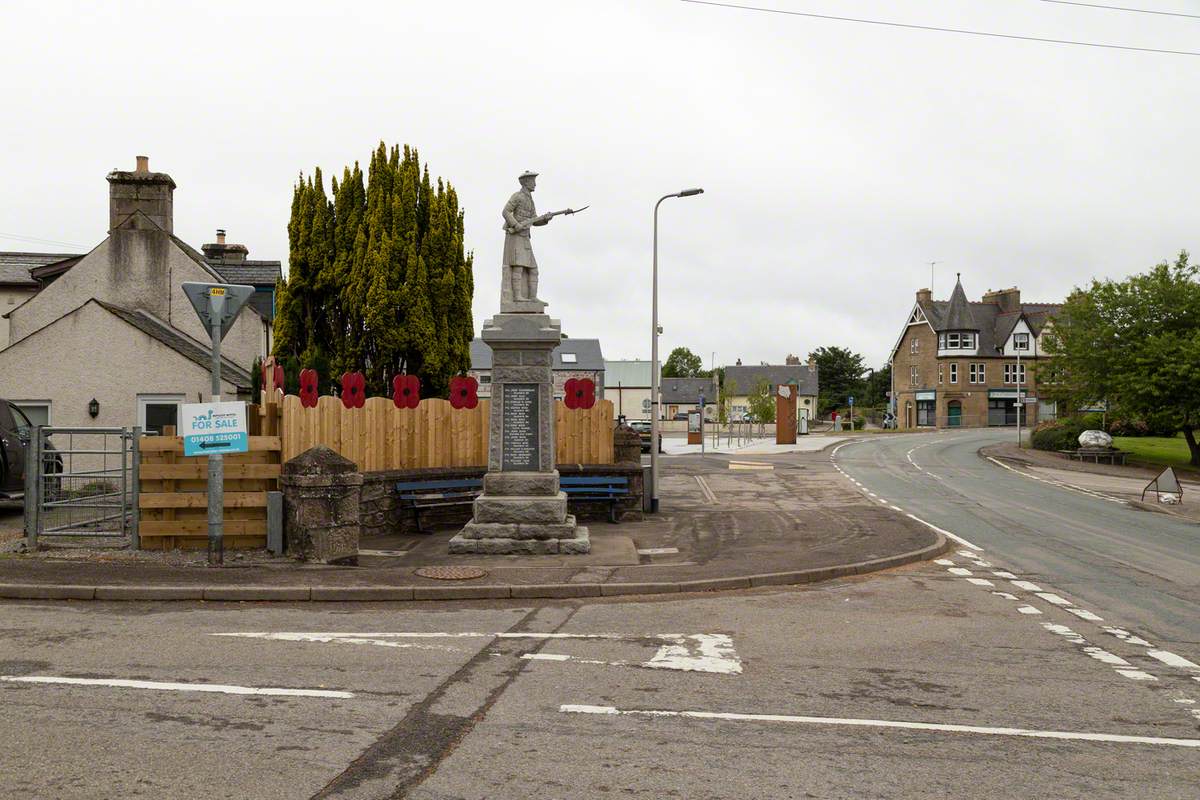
(1135, 343)
(683, 363)
(839, 371)
(378, 280)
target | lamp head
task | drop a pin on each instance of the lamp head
(690, 192)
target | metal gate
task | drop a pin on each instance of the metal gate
(82, 483)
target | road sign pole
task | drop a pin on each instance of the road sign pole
(216, 463)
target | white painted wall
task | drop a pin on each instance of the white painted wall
(91, 353)
(1034, 347)
(10, 298)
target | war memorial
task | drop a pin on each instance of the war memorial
(522, 509)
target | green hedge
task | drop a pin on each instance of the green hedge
(1064, 434)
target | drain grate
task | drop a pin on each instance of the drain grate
(451, 573)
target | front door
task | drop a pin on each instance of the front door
(954, 414)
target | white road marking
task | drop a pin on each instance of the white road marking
(1003, 574)
(751, 466)
(944, 562)
(697, 652)
(1028, 610)
(1108, 658)
(967, 553)
(895, 508)
(1172, 660)
(1063, 630)
(215, 688)
(1083, 613)
(1027, 586)
(1060, 484)
(1051, 597)
(980, 581)
(657, 551)
(1137, 675)
(546, 657)
(945, 532)
(1006, 595)
(708, 493)
(387, 553)
(960, 571)
(884, 723)
(1126, 636)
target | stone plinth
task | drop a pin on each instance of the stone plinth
(522, 509)
(321, 500)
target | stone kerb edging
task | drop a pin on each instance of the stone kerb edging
(25, 591)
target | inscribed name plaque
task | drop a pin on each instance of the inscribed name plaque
(520, 426)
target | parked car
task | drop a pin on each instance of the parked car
(643, 430)
(680, 416)
(16, 432)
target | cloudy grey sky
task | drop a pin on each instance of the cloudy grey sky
(837, 159)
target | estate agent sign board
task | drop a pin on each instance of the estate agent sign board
(209, 428)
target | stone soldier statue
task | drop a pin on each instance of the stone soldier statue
(519, 281)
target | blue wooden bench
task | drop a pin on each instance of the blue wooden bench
(436, 494)
(610, 489)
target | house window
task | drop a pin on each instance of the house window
(484, 379)
(913, 376)
(941, 373)
(951, 341)
(968, 341)
(915, 345)
(569, 358)
(1020, 341)
(942, 341)
(1013, 375)
(926, 413)
(37, 411)
(156, 411)
(953, 373)
(977, 373)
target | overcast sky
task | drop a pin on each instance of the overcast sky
(837, 159)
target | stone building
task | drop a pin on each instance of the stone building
(955, 363)
(574, 358)
(114, 325)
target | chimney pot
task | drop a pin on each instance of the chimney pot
(143, 164)
(220, 236)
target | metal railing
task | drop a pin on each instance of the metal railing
(82, 483)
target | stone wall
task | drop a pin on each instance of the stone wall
(380, 513)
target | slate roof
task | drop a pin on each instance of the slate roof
(588, 357)
(958, 313)
(687, 390)
(15, 267)
(249, 272)
(186, 346)
(798, 375)
(994, 326)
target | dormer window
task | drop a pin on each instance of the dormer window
(956, 341)
(1020, 341)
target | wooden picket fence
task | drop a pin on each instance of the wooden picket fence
(173, 494)
(380, 436)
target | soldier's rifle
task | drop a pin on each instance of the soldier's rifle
(543, 218)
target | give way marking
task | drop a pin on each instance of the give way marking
(695, 652)
(884, 723)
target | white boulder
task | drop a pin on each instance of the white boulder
(1095, 440)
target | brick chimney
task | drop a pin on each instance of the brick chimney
(221, 253)
(792, 361)
(141, 190)
(812, 364)
(1008, 299)
(924, 296)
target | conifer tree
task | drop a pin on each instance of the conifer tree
(378, 279)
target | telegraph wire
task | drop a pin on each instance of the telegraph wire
(35, 240)
(961, 31)
(1124, 8)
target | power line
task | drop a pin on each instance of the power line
(941, 30)
(1124, 8)
(35, 240)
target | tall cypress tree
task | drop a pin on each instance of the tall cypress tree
(378, 278)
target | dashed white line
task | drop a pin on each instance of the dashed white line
(1027, 586)
(1051, 597)
(883, 723)
(980, 581)
(1028, 610)
(960, 571)
(1172, 660)
(1137, 675)
(1083, 613)
(214, 688)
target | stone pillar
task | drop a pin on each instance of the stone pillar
(321, 496)
(522, 509)
(627, 445)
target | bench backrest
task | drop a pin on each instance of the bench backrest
(585, 481)
(418, 487)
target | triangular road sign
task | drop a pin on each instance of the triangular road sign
(221, 301)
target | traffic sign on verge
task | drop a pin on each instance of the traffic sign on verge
(210, 428)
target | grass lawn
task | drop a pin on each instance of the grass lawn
(1170, 451)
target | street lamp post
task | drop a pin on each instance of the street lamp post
(655, 427)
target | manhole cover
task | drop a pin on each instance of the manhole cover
(451, 573)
